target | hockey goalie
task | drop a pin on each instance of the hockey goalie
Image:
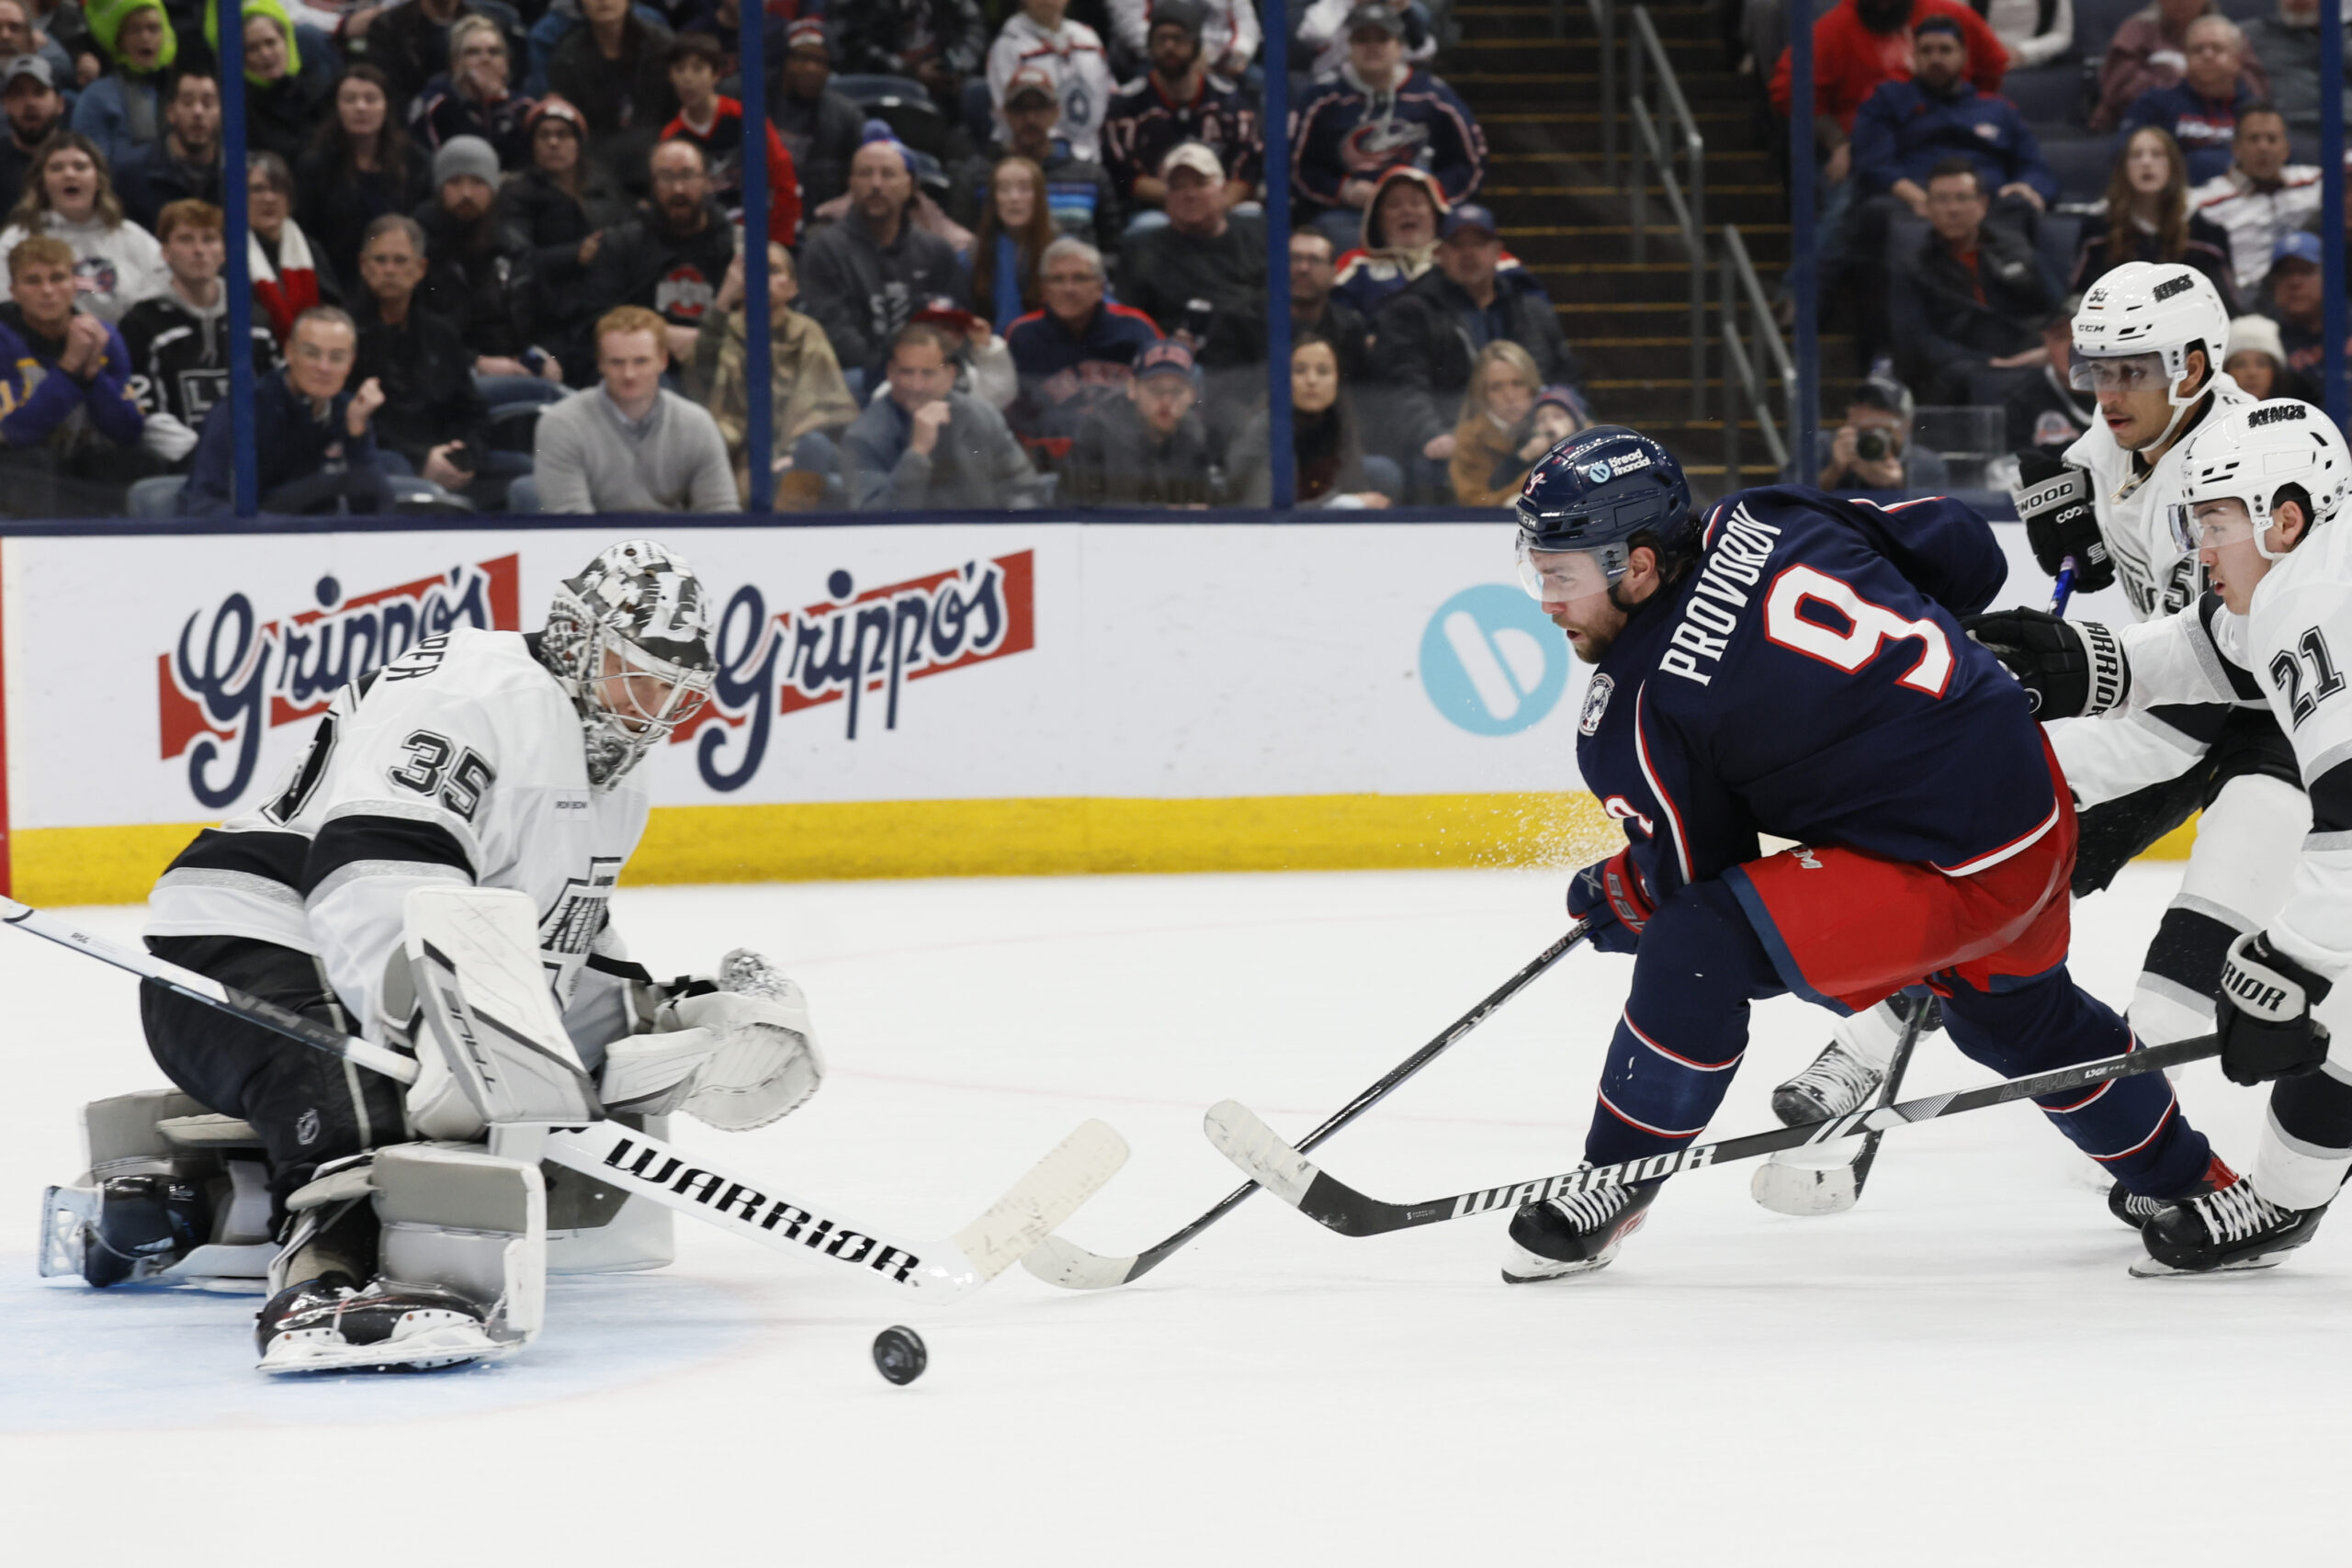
(393, 1236)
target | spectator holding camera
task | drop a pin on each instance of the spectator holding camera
(1874, 449)
(178, 340)
(1148, 447)
(924, 445)
(627, 443)
(865, 275)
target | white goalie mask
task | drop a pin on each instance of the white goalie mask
(2248, 455)
(629, 640)
(2137, 325)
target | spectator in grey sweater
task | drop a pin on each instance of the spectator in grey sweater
(626, 444)
(924, 445)
(866, 276)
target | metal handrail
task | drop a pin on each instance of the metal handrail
(1642, 42)
(1742, 380)
(1604, 23)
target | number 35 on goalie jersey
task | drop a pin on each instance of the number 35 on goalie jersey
(460, 762)
(1809, 680)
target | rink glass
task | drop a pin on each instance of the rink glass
(2126, 373)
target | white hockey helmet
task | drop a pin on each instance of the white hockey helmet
(629, 640)
(2251, 453)
(2151, 308)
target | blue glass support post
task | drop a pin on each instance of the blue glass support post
(759, 355)
(2331, 163)
(245, 473)
(1282, 461)
(1806, 418)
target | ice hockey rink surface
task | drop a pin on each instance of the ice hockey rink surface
(1958, 1372)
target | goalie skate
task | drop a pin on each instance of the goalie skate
(1576, 1235)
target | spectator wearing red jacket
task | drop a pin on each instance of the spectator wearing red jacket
(714, 124)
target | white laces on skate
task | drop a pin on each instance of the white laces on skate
(2237, 1212)
(1839, 1080)
(1590, 1211)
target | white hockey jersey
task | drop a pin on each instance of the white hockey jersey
(2107, 761)
(2293, 647)
(460, 762)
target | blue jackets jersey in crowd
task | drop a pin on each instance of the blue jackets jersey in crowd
(37, 400)
(1809, 679)
(1903, 131)
(1348, 132)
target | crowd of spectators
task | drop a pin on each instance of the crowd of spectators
(1956, 242)
(496, 254)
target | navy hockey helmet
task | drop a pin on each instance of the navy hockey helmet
(1593, 492)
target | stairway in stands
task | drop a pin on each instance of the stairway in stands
(1538, 98)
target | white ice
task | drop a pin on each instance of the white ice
(1960, 1370)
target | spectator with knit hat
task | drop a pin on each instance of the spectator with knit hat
(822, 127)
(122, 111)
(865, 277)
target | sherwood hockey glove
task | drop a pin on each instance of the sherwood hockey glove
(2263, 1013)
(2054, 500)
(2069, 669)
(1610, 894)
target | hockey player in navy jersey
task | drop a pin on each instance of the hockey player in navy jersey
(1795, 667)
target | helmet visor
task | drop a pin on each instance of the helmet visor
(1563, 577)
(645, 695)
(2124, 373)
(2210, 524)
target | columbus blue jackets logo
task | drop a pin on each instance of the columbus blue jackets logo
(1596, 703)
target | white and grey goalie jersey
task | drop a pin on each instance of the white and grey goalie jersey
(460, 762)
(2154, 571)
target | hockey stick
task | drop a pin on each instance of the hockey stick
(1060, 1261)
(638, 1163)
(1281, 1169)
(2062, 587)
(1809, 1191)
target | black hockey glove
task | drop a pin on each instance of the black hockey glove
(2069, 669)
(1609, 894)
(2261, 1013)
(2054, 500)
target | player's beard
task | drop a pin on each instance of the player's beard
(1592, 641)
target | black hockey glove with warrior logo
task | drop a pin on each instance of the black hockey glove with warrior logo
(2261, 1013)
(2069, 669)
(2054, 500)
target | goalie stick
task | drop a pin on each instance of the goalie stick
(640, 1164)
(1060, 1261)
(1280, 1167)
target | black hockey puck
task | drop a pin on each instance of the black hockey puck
(899, 1355)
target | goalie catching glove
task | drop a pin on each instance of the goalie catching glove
(2054, 500)
(2069, 669)
(737, 1056)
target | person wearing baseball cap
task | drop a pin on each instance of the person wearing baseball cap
(1377, 111)
(2299, 300)
(1180, 99)
(1201, 275)
(1149, 448)
(34, 106)
(1082, 195)
(1040, 36)
(819, 125)
(1423, 348)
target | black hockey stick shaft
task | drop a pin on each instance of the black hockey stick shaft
(1245, 1139)
(1913, 1027)
(1152, 1258)
(212, 993)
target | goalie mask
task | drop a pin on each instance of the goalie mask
(2249, 456)
(629, 640)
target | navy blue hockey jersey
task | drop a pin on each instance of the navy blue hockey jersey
(1809, 680)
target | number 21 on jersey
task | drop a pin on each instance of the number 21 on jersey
(2286, 674)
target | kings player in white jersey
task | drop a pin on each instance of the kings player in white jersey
(478, 757)
(2147, 340)
(2263, 505)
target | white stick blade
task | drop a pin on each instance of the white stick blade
(1059, 1262)
(1042, 1200)
(1242, 1138)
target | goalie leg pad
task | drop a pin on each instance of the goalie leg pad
(491, 1045)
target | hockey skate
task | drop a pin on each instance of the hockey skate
(2226, 1231)
(1577, 1235)
(2136, 1211)
(1838, 1081)
(328, 1324)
